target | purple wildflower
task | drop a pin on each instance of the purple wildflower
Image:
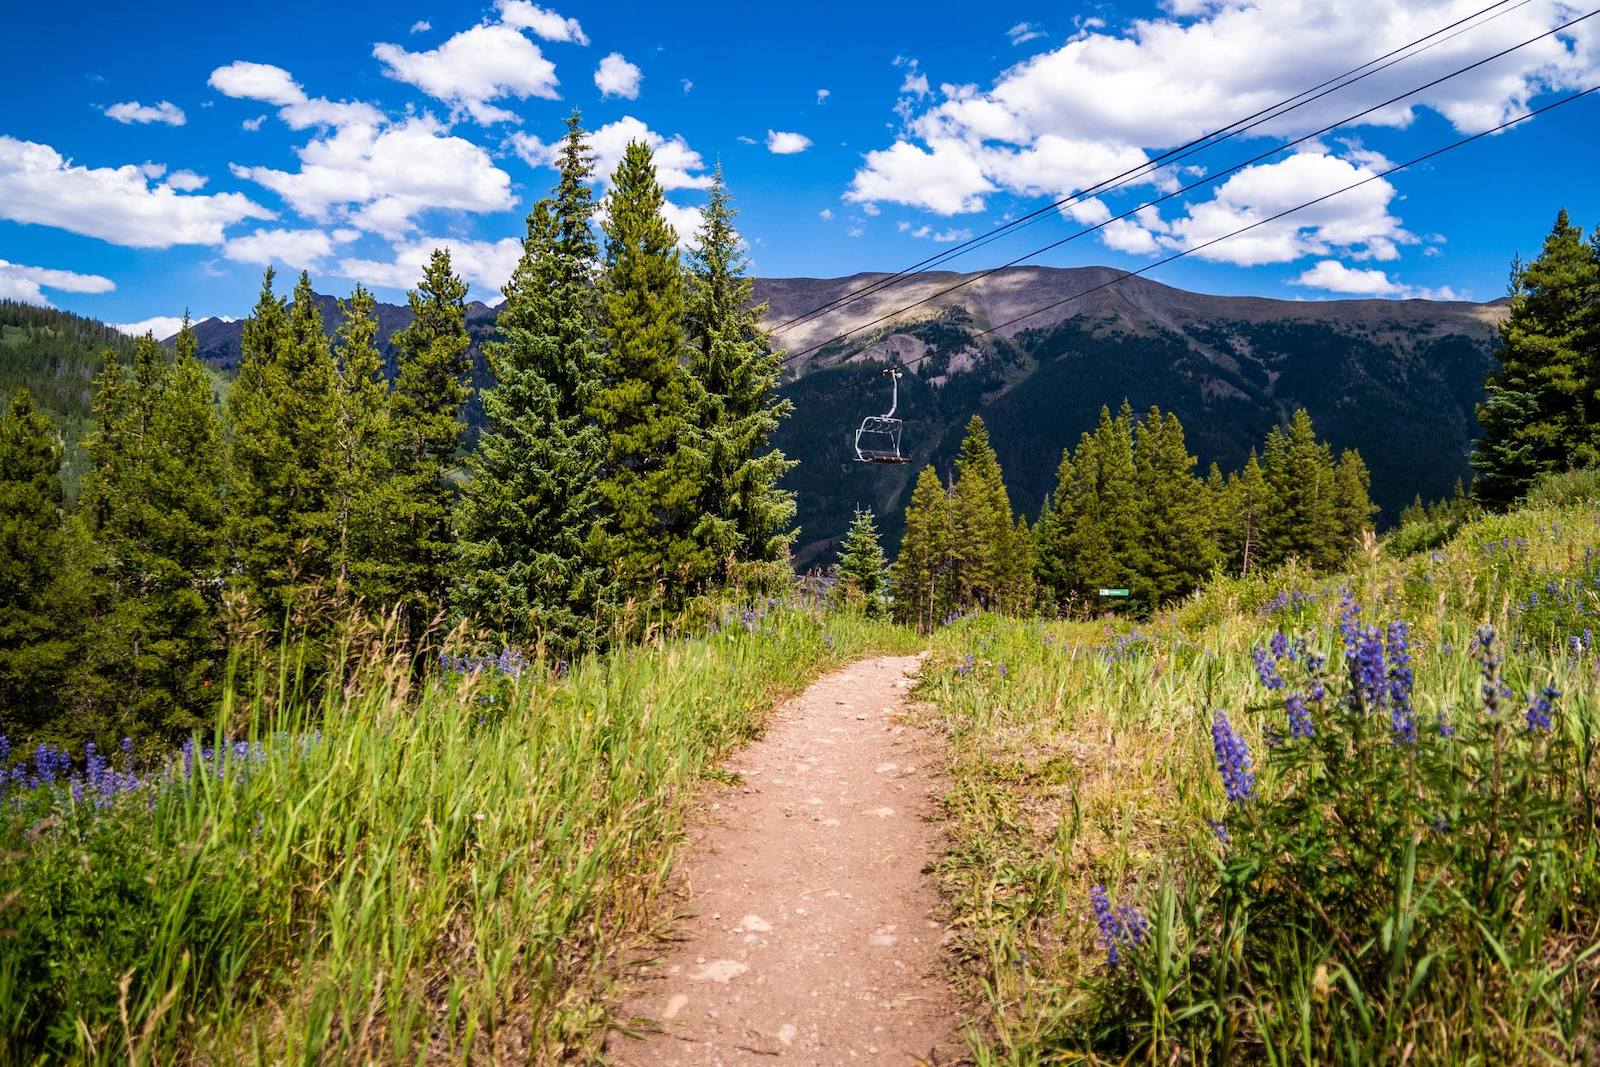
(1267, 669)
(1299, 716)
(1401, 681)
(1540, 707)
(1121, 928)
(1233, 760)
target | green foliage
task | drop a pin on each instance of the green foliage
(1177, 550)
(526, 563)
(863, 572)
(917, 579)
(655, 468)
(361, 441)
(283, 414)
(1542, 402)
(981, 526)
(746, 518)
(37, 628)
(424, 431)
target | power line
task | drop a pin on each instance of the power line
(1243, 229)
(1183, 151)
(1208, 180)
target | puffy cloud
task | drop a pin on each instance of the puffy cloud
(186, 181)
(160, 327)
(617, 77)
(252, 125)
(1335, 277)
(474, 67)
(115, 204)
(1158, 82)
(24, 283)
(132, 111)
(685, 220)
(826, 214)
(677, 165)
(540, 21)
(294, 248)
(244, 80)
(381, 179)
(483, 264)
(785, 143)
(916, 84)
(421, 26)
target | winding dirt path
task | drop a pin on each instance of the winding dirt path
(811, 934)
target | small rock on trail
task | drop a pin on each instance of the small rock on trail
(812, 934)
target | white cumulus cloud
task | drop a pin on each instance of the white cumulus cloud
(615, 76)
(116, 204)
(302, 249)
(542, 22)
(1336, 277)
(678, 166)
(485, 265)
(473, 68)
(21, 282)
(244, 80)
(786, 143)
(130, 111)
(421, 26)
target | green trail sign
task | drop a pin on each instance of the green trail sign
(1114, 592)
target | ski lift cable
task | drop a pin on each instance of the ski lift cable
(1207, 180)
(1219, 135)
(1245, 229)
(1127, 177)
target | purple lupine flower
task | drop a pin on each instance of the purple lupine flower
(1540, 707)
(1279, 646)
(1121, 927)
(1219, 828)
(1267, 669)
(1489, 667)
(1401, 681)
(1445, 729)
(1349, 622)
(1233, 760)
(1001, 670)
(1299, 716)
(1368, 670)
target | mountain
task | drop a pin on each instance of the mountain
(1396, 379)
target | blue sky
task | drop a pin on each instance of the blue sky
(157, 158)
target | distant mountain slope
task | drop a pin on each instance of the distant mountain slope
(1396, 379)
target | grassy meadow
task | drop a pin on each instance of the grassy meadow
(438, 871)
(1386, 850)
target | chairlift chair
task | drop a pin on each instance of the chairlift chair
(878, 437)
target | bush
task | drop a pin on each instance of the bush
(1564, 488)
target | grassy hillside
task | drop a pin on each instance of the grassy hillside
(1409, 858)
(443, 871)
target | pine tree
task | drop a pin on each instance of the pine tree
(361, 435)
(745, 517)
(917, 578)
(1248, 500)
(1300, 520)
(36, 634)
(655, 467)
(283, 411)
(425, 428)
(1541, 410)
(1177, 549)
(1015, 594)
(529, 506)
(981, 523)
(1352, 504)
(1051, 564)
(863, 572)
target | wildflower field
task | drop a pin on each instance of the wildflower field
(434, 870)
(1295, 820)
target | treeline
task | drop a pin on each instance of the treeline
(624, 469)
(1128, 512)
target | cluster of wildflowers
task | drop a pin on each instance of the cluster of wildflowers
(964, 668)
(1491, 686)
(1233, 760)
(1397, 641)
(95, 783)
(1123, 646)
(1269, 664)
(1122, 927)
(1540, 709)
(508, 661)
(1378, 661)
(1289, 600)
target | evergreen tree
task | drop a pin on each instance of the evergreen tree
(1301, 520)
(283, 412)
(530, 502)
(1015, 593)
(745, 516)
(154, 512)
(1352, 504)
(919, 572)
(1177, 550)
(1541, 410)
(1247, 502)
(425, 429)
(655, 469)
(361, 435)
(980, 521)
(36, 635)
(863, 572)
(1051, 566)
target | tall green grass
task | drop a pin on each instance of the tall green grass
(405, 872)
(1372, 901)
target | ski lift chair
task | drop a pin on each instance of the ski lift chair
(878, 437)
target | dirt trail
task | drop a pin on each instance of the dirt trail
(811, 935)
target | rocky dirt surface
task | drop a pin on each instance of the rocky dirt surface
(811, 934)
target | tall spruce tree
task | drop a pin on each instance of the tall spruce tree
(361, 439)
(283, 413)
(1247, 502)
(745, 516)
(1177, 550)
(1301, 520)
(1541, 409)
(425, 428)
(37, 643)
(525, 557)
(1352, 501)
(863, 573)
(655, 467)
(981, 523)
(917, 579)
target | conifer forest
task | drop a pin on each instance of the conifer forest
(657, 661)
